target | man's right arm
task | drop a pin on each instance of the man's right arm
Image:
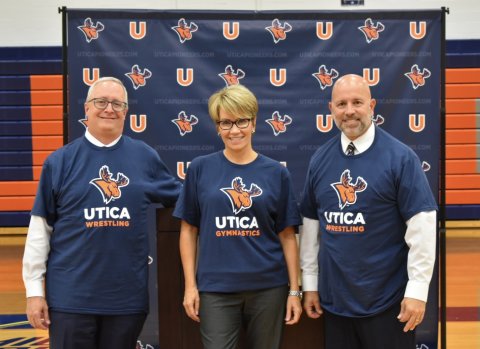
(37, 247)
(309, 247)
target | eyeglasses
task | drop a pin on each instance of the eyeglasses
(228, 124)
(102, 104)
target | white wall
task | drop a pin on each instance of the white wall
(38, 23)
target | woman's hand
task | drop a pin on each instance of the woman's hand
(294, 310)
(191, 303)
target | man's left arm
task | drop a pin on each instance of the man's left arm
(421, 239)
(166, 187)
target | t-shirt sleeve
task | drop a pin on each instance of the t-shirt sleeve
(187, 207)
(288, 210)
(45, 200)
(307, 202)
(414, 194)
(166, 187)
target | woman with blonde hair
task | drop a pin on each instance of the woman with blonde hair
(239, 206)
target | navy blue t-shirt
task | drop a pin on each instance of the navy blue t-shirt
(96, 200)
(239, 211)
(362, 203)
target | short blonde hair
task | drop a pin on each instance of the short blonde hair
(235, 100)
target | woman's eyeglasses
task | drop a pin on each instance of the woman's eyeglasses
(228, 124)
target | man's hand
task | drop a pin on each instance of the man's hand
(412, 312)
(311, 304)
(37, 313)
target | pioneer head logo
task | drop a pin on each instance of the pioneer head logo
(324, 77)
(371, 31)
(241, 198)
(185, 123)
(109, 187)
(184, 31)
(346, 190)
(279, 123)
(279, 31)
(90, 30)
(232, 77)
(417, 76)
(138, 77)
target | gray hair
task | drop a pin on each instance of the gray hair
(106, 78)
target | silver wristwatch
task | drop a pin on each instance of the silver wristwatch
(298, 294)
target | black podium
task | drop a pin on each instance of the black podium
(177, 331)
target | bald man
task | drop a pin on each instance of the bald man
(367, 247)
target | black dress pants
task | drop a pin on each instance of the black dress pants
(85, 331)
(380, 331)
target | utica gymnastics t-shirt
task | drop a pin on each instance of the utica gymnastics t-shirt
(239, 210)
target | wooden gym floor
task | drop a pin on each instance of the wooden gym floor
(463, 291)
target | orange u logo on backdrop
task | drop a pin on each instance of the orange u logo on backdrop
(418, 30)
(182, 169)
(324, 32)
(372, 81)
(138, 123)
(324, 123)
(231, 31)
(90, 76)
(138, 30)
(416, 122)
(278, 77)
(182, 79)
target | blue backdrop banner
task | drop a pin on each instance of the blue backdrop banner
(172, 61)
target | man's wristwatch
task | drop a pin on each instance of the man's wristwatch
(298, 294)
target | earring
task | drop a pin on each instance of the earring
(253, 131)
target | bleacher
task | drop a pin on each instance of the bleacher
(463, 143)
(30, 126)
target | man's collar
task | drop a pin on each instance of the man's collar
(96, 142)
(362, 143)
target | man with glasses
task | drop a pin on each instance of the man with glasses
(87, 238)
